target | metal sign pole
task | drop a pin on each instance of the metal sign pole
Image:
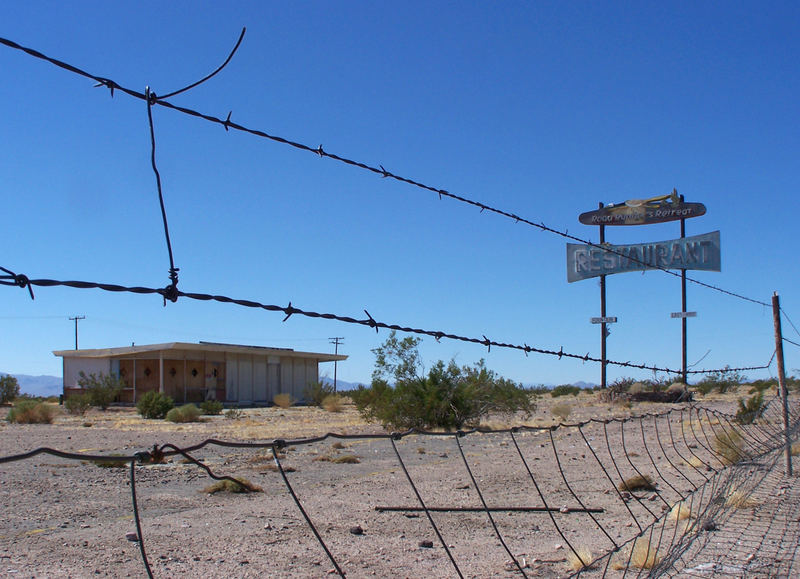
(603, 331)
(683, 308)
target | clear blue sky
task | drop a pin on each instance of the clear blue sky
(539, 109)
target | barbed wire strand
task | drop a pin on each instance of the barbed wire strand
(23, 281)
(379, 170)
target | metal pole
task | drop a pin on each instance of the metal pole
(683, 308)
(76, 318)
(602, 315)
(776, 318)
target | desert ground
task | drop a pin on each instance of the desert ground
(527, 500)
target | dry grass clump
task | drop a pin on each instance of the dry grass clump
(581, 558)
(729, 445)
(282, 400)
(796, 448)
(639, 482)
(561, 410)
(679, 512)
(343, 459)
(676, 387)
(333, 403)
(241, 485)
(644, 554)
(636, 388)
(740, 499)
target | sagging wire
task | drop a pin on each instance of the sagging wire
(12, 278)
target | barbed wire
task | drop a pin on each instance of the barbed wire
(23, 281)
(710, 437)
(379, 170)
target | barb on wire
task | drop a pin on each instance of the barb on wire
(205, 78)
(369, 322)
(379, 170)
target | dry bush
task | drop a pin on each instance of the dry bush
(338, 445)
(637, 483)
(795, 448)
(679, 512)
(729, 445)
(644, 554)
(27, 411)
(344, 459)
(272, 467)
(635, 388)
(562, 410)
(677, 387)
(695, 461)
(332, 403)
(282, 400)
(241, 485)
(740, 499)
(581, 558)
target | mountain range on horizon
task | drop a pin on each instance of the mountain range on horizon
(45, 385)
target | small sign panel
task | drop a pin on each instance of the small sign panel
(683, 315)
(643, 212)
(606, 320)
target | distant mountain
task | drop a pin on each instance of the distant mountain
(341, 384)
(38, 385)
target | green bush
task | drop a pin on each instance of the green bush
(723, 381)
(185, 413)
(77, 404)
(751, 409)
(449, 396)
(101, 390)
(211, 407)
(564, 390)
(154, 405)
(9, 388)
(316, 392)
(28, 411)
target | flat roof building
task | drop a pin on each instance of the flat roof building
(233, 374)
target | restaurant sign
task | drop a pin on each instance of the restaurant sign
(697, 252)
(643, 211)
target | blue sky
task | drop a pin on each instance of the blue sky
(539, 109)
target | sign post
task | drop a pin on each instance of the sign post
(699, 252)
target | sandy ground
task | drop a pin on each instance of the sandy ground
(63, 517)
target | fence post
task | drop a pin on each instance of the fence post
(784, 394)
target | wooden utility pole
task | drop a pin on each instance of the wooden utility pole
(76, 318)
(784, 394)
(336, 342)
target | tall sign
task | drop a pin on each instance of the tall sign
(701, 252)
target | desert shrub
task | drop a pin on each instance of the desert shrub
(241, 485)
(723, 381)
(332, 403)
(316, 392)
(154, 405)
(211, 407)
(579, 559)
(564, 390)
(729, 445)
(637, 483)
(762, 385)
(101, 390)
(562, 410)
(751, 409)
(9, 388)
(282, 400)
(77, 404)
(233, 414)
(636, 388)
(185, 413)
(621, 384)
(739, 498)
(28, 411)
(644, 554)
(539, 390)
